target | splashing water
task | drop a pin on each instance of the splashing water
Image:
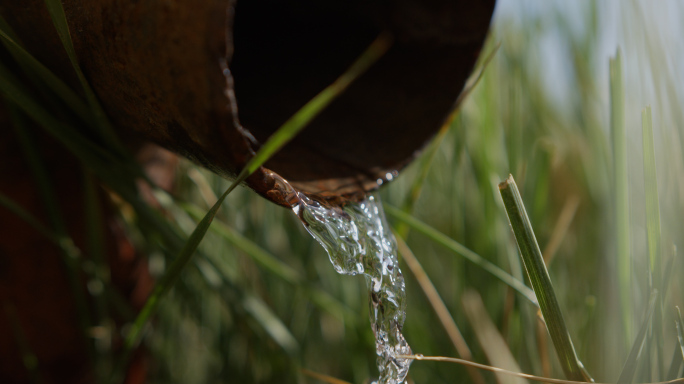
(359, 241)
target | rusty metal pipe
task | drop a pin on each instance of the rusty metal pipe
(156, 67)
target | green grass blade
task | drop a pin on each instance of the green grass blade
(651, 193)
(40, 174)
(99, 286)
(653, 229)
(268, 261)
(38, 70)
(667, 274)
(7, 30)
(628, 370)
(621, 188)
(258, 254)
(54, 214)
(676, 363)
(320, 298)
(58, 17)
(251, 304)
(105, 129)
(164, 284)
(43, 77)
(89, 153)
(117, 173)
(68, 247)
(95, 218)
(311, 109)
(64, 243)
(460, 249)
(18, 210)
(271, 323)
(541, 282)
(172, 274)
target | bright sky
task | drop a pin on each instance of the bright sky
(650, 34)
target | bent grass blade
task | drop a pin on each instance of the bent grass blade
(281, 137)
(506, 372)
(541, 282)
(106, 131)
(54, 83)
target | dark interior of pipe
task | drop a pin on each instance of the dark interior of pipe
(285, 52)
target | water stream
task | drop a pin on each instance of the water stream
(359, 241)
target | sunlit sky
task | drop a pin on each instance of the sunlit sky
(650, 35)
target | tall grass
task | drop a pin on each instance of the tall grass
(259, 301)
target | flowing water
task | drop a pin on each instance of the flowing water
(359, 241)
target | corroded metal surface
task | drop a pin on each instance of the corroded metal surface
(157, 67)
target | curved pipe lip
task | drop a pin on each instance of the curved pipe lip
(156, 70)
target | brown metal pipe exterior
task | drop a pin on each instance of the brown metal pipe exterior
(157, 68)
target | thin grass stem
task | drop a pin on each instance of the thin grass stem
(506, 372)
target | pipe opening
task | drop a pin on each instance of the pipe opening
(285, 52)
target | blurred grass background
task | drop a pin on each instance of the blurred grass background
(261, 300)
